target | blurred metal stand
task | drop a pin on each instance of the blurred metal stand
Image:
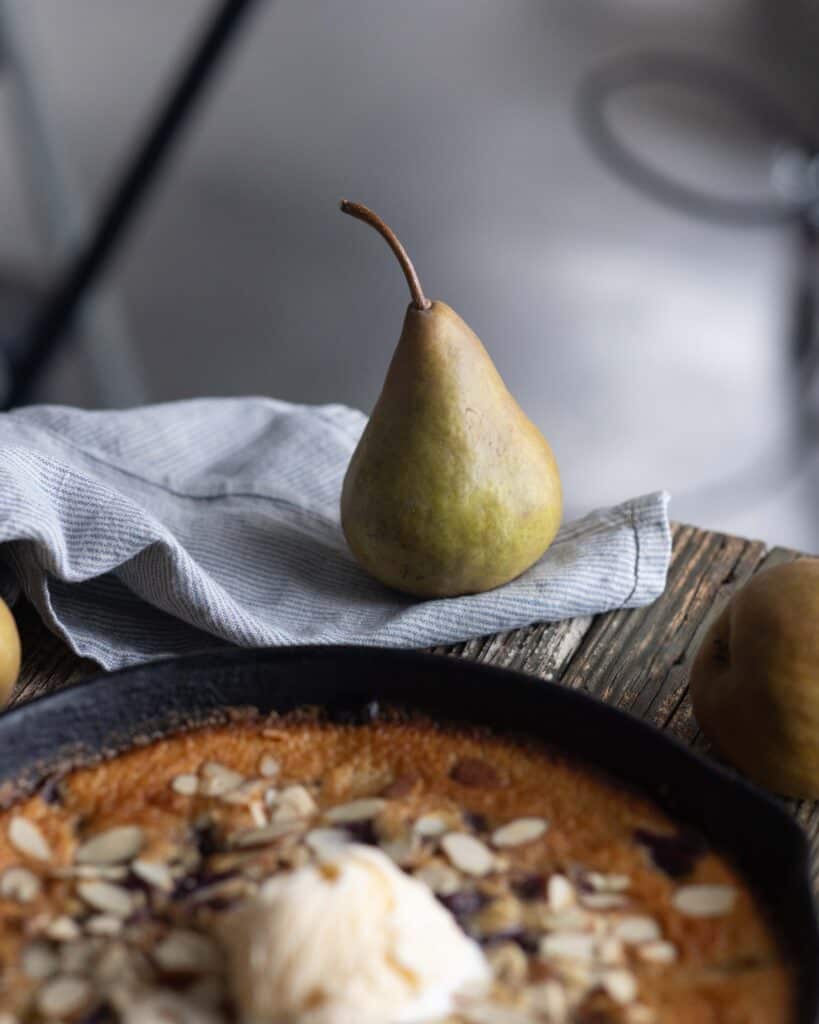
(87, 252)
(100, 333)
(793, 178)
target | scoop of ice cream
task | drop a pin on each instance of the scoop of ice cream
(352, 940)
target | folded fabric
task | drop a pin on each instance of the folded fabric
(175, 528)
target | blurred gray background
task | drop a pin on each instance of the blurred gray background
(653, 349)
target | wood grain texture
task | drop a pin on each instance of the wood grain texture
(638, 660)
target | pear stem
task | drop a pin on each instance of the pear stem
(419, 300)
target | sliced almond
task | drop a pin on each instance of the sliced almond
(113, 846)
(430, 825)
(106, 897)
(185, 784)
(498, 917)
(610, 951)
(606, 883)
(268, 766)
(39, 961)
(217, 779)
(509, 964)
(64, 996)
(294, 803)
(20, 884)
(120, 965)
(440, 878)
(550, 999)
(154, 873)
(78, 957)
(26, 837)
(560, 893)
(704, 900)
(467, 853)
(108, 872)
(356, 810)
(659, 952)
(403, 850)
(249, 792)
(63, 929)
(620, 985)
(262, 836)
(568, 919)
(257, 813)
(519, 831)
(103, 924)
(568, 946)
(186, 952)
(603, 900)
(326, 841)
(636, 929)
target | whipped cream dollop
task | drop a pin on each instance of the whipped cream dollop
(351, 940)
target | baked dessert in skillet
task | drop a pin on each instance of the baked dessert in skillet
(299, 870)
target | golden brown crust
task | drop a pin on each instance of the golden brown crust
(726, 968)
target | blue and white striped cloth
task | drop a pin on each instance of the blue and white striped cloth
(176, 528)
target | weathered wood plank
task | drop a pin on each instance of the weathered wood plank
(542, 650)
(638, 660)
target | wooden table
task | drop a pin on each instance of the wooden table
(638, 660)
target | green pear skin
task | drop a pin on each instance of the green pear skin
(755, 679)
(451, 490)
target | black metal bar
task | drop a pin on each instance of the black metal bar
(52, 319)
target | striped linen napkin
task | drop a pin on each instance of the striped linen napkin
(181, 527)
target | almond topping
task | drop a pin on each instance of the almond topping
(218, 780)
(63, 929)
(467, 853)
(439, 877)
(603, 900)
(568, 946)
(293, 804)
(64, 996)
(263, 836)
(325, 841)
(155, 873)
(107, 898)
(103, 924)
(186, 952)
(20, 884)
(704, 900)
(658, 952)
(27, 838)
(356, 810)
(560, 893)
(620, 985)
(520, 831)
(38, 961)
(636, 929)
(112, 846)
(185, 784)
(430, 825)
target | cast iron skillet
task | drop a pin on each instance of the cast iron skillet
(110, 713)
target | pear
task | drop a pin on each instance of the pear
(452, 489)
(9, 653)
(755, 679)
